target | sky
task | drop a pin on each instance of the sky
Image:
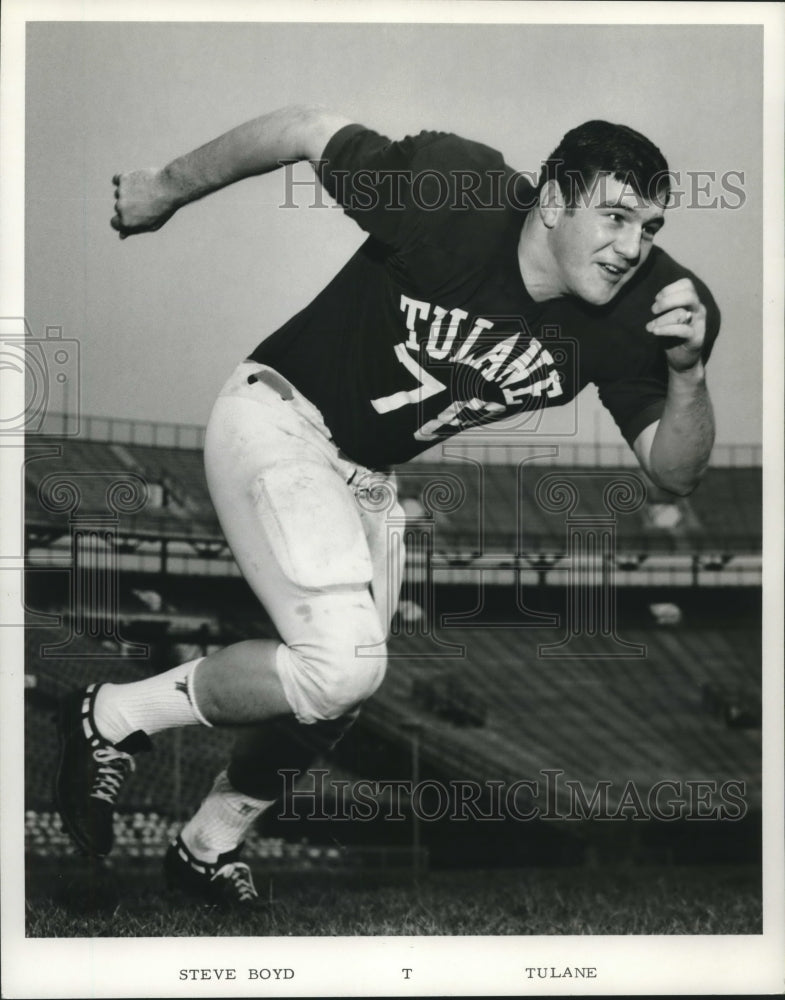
(161, 319)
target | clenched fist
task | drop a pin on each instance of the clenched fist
(681, 321)
(143, 202)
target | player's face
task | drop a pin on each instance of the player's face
(604, 240)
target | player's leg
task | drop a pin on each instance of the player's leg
(258, 754)
(319, 601)
(275, 493)
(290, 520)
(253, 781)
(262, 752)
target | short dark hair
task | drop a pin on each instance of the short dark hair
(599, 147)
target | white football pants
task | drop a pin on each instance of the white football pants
(318, 538)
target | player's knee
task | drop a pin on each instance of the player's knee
(327, 680)
(349, 672)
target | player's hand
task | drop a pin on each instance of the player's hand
(142, 202)
(680, 319)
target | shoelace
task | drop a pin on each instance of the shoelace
(239, 874)
(113, 770)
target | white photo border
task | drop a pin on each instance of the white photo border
(372, 966)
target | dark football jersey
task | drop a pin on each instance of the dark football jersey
(429, 329)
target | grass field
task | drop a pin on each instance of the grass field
(68, 900)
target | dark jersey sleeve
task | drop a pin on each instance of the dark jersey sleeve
(420, 190)
(635, 396)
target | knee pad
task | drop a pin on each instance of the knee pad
(329, 677)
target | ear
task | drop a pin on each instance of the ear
(551, 203)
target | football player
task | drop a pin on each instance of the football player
(430, 327)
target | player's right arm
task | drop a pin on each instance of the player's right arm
(146, 199)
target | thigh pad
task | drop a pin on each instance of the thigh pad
(312, 525)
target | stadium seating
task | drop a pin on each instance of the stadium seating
(505, 708)
(472, 508)
(594, 718)
(183, 470)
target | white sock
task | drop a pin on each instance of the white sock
(221, 821)
(161, 702)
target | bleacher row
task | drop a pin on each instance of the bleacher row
(148, 834)
(594, 718)
(471, 506)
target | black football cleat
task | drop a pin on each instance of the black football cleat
(226, 883)
(90, 773)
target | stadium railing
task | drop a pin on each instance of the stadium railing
(480, 446)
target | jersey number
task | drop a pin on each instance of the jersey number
(428, 387)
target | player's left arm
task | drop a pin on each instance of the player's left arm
(674, 451)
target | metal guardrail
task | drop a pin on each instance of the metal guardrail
(152, 525)
(119, 430)
(451, 548)
(506, 545)
(484, 448)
